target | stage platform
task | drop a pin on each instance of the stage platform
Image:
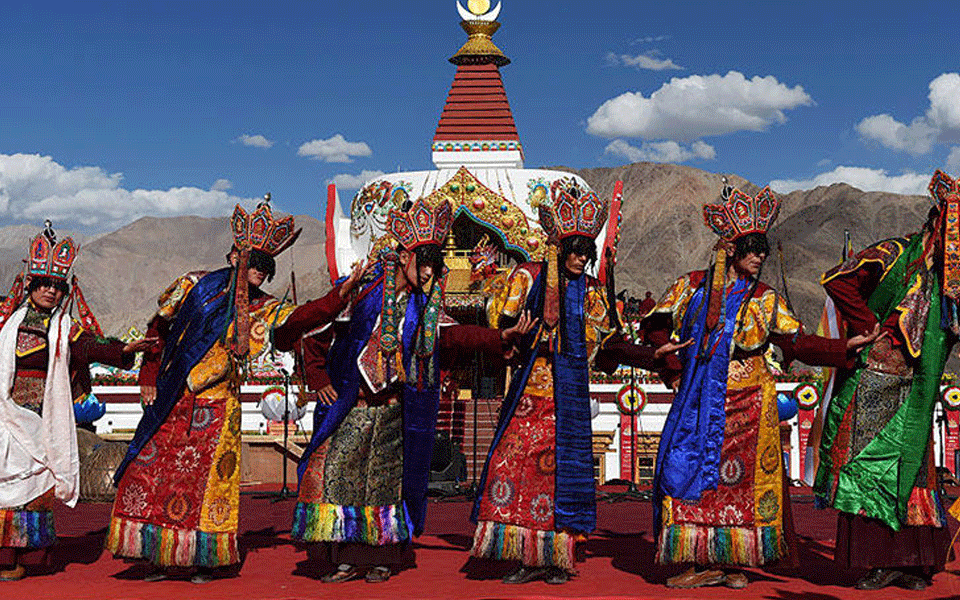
(618, 563)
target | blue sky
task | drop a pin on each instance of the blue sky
(114, 110)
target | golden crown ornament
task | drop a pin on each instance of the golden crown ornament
(49, 257)
(739, 214)
(259, 230)
(573, 210)
(420, 224)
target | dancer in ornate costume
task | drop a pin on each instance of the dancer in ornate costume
(178, 487)
(363, 478)
(46, 356)
(876, 454)
(537, 488)
(719, 488)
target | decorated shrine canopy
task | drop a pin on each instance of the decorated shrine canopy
(479, 165)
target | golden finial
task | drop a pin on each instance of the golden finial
(478, 7)
(480, 24)
(450, 247)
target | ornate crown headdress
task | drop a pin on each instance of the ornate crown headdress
(420, 225)
(740, 214)
(944, 188)
(260, 231)
(574, 210)
(50, 258)
(946, 193)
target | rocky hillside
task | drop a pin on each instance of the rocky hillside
(123, 272)
(663, 235)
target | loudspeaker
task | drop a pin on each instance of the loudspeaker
(448, 467)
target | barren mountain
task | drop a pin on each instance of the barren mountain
(663, 236)
(122, 273)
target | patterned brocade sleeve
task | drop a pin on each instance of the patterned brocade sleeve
(511, 298)
(272, 314)
(851, 283)
(171, 299)
(597, 318)
(765, 315)
(169, 304)
(674, 303)
(665, 320)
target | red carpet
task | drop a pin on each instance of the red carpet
(618, 564)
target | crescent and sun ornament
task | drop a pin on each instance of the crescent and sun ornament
(478, 10)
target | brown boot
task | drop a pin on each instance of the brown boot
(691, 578)
(14, 574)
(878, 579)
(736, 580)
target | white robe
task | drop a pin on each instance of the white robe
(38, 453)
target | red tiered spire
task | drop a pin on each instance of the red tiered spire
(477, 107)
(477, 116)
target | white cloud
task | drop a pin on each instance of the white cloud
(941, 123)
(334, 149)
(916, 138)
(953, 161)
(346, 181)
(648, 61)
(650, 39)
(257, 141)
(221, 185)
(944, 111)
(689, 108)
(35, 187)
(660, 152)
(863, 178)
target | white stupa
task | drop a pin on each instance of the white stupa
(479, 168)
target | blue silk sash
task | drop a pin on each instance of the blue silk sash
(199, 322)
(575, 496)
(688, 458)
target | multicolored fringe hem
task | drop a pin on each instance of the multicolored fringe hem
(168, 547)
(372, 525)
(534, 548)
(26, 528)
(746, 546)
(925, 508)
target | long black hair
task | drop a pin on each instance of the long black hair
(758, 244)
(755, 242)
(260, 261)
(427, 254)
(430, 254)
(39, 281)
(263, 262)
(752, 242)
(578, 244)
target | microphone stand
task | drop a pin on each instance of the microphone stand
(285, 492)
(632, 492)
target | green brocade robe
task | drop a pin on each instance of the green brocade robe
(875, 453)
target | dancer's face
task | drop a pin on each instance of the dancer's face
(46, 297)
(750, 264)
(575, 263)
(255, 277)
(417, 276)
